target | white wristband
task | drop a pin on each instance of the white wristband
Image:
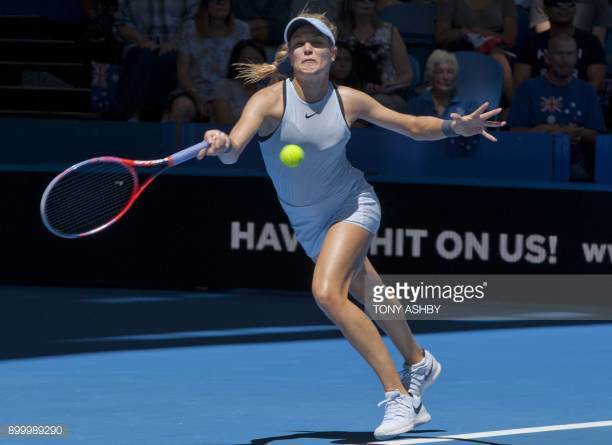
(448, 130)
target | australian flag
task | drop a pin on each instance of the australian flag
(104, 86)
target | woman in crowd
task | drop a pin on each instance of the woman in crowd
(442, 98)
(205, 47)
(379, 53)
(342, 70)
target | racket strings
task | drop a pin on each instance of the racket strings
(81, 188)
(61, 208)
(92, 215)
(84, 224)
(89, 197)
(84, 183)
(86, 211)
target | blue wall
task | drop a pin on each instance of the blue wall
(603, 160)
(53, 144)
(384, 156)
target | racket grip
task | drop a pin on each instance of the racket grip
(187, 154)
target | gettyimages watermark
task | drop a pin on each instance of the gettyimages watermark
(490, 297)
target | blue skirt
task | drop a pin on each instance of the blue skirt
(358, 205)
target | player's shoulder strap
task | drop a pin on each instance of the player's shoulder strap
(340, 102)
(268, 136)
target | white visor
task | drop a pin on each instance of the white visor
(301, 21)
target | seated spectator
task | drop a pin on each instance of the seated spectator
(591, 16)
(441, 99)
(231, 94)
(379, 53)
(342, 72)
(559, 103)
(591, 64)
(266, 19)
(204, 52)
(486, 26)
(150, 31)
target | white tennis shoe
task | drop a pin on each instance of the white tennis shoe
(417, 378)
(402, 413)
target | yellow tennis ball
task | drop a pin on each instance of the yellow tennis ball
(291, 155)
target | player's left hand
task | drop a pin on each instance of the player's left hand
(477, 122)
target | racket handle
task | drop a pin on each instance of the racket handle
(187, 154)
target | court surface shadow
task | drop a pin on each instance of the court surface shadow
(357, 437)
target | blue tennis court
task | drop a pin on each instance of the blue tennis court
(171, 380)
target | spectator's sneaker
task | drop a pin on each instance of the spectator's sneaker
(402, 413)
(416, 378)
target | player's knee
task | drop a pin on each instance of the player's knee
(327, 296)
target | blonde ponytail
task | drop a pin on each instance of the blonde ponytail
(251, 73)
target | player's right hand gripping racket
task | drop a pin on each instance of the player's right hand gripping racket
(94, 194)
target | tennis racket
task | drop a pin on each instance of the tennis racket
(94, 194)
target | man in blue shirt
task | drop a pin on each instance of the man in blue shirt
(591, 61)
(559, 103)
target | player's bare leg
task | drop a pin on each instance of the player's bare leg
(341, 256)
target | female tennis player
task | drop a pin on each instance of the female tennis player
(332, 209)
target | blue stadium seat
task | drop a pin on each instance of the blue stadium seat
(416, 70)
(480, 78)
(414, 21)
(603, 160)
(609, 51)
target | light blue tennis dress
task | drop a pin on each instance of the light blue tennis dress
(325, 188)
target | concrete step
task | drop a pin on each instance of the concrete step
(24, 73)
(45, 98)
(39, 50)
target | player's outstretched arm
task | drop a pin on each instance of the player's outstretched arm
(229, 147)
(424, 128)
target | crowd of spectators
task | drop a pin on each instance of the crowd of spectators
(179, 55)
